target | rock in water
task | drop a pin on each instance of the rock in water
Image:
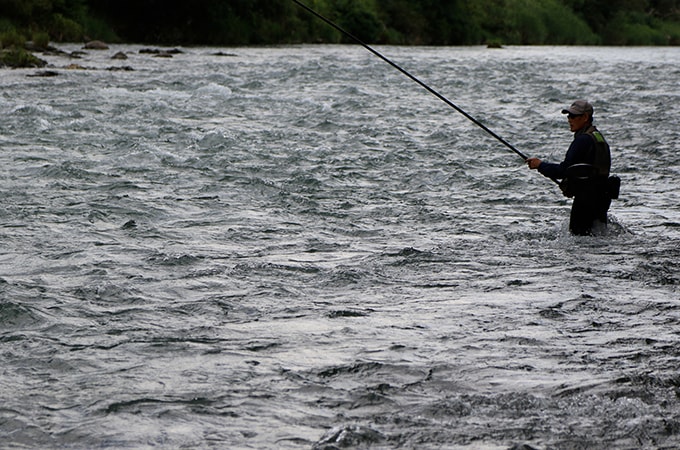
(96, 45)
(349, 436)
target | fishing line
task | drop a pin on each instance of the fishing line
(412, 77)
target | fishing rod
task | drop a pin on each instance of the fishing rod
(412, 77)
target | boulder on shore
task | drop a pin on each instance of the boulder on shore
(16, 57)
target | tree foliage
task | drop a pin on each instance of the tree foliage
(423, 22)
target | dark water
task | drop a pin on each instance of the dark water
(299, 247)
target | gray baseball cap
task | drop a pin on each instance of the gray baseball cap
(579, 107)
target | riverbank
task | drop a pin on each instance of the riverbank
(417, 22)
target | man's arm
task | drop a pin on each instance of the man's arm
(578, 150)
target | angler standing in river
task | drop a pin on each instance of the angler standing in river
(584, 172)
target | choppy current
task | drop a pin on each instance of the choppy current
(299, 247)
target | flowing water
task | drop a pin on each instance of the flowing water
(299, 247)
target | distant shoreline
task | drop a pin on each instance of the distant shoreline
(415, 22)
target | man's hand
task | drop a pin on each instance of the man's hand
(533, 163)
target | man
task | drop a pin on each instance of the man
(584, 171)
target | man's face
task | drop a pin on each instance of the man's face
(576, 122)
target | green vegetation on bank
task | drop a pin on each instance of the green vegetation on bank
(408, 22)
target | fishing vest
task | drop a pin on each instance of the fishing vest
(601, 160)
(592, 175)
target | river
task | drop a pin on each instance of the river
(299, 247)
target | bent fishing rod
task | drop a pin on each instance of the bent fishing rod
(414, 78)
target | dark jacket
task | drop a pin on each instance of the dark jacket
(583, 150)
